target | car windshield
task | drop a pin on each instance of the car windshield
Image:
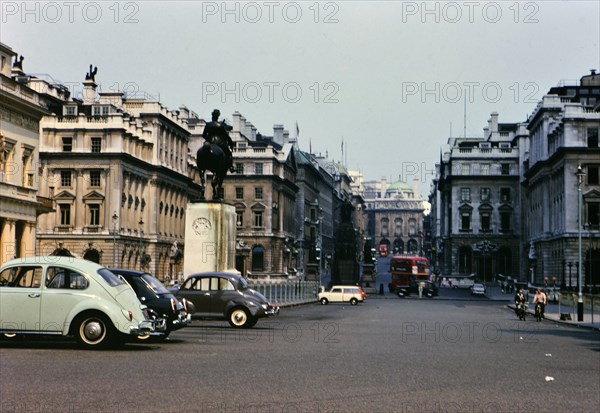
(155, 284)
(110, 278)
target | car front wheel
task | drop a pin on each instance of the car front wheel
(94, 332)
(353, 301)
(240, 318)
(324, 301)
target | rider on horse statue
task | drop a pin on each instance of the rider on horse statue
(218, 133)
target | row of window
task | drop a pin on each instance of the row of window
(485, 194)
(97, 110)
(66, 178)
(257, 219)
(95, 144)
(484, 169)
(258, 193)
(259, 168)
(485, 220)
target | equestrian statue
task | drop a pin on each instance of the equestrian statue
(215, 154)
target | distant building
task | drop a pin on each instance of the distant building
(476, 211)
(394, 213)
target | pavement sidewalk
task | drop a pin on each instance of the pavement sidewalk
(553, 311)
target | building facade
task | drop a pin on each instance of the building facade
(394, 214)
(263, 190)
(120, 177)
(21, 109)
(564, 129)
(476, 212)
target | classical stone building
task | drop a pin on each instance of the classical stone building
(564, 129)
(394, 213)
(21, 109)
(120, 177)
(263, 191)
(476, 209)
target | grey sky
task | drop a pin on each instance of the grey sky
(389, 77)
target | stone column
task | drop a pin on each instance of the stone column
(7, 237)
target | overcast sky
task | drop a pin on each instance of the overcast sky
(388, 78)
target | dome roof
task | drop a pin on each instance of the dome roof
(399, 186)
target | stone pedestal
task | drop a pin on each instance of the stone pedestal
(210, 235)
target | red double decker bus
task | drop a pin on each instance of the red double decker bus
(407, 268)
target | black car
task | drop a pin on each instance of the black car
(156, 297)
(222, 294)
(430, 289)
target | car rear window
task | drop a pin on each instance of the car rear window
(110, 278)
(155, 284)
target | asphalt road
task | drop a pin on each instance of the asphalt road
(385, 355)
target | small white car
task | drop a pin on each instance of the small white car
(69, 296)
(478, 289)
(352, 294)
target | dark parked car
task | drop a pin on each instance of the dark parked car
(221, 294)
(429, 289)
(155, 296)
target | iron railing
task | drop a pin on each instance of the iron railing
(286, 292)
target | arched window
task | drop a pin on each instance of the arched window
(412, 246)
(258, 258)
(398, 227)
(384, 227)
(398, 246)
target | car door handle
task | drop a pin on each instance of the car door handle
(34, 295)
(206, 294)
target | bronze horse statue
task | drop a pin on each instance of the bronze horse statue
(210, 157)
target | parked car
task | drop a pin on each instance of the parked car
(69, 297)
(150, 291)
(430, 289)
(222, 294)
(352, 294)
(478, 289)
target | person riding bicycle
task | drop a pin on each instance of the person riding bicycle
(541, 299)
(519, 301)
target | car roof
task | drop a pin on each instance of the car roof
(124, 271)
(86, 265)
(345, 286)
(215, 274)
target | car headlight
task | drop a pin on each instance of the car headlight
(264, 306)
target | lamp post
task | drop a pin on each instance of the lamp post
(141, 236)
(579, 174)
(115, 219)
(320, 216)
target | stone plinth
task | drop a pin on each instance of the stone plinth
(210, 234)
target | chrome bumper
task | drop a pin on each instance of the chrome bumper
(143, 328)
(272, 311)
(182, 320)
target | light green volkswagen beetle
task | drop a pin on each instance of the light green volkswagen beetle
(69, 296)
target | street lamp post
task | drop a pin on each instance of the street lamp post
(115, 219)
(320, 216)
(141, 236)
(579, 174)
